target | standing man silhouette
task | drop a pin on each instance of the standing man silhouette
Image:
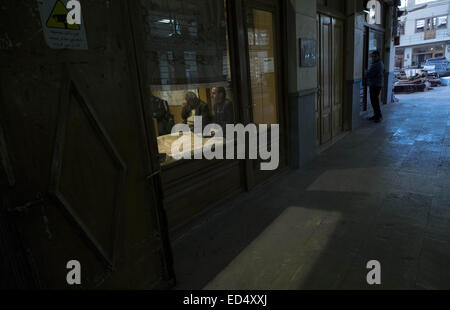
(375, 79)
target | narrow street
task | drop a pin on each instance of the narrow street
(381, 193)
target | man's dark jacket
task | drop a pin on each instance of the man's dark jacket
(223, 114)
(201, 110)
(375, 75)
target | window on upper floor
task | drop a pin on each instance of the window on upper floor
(441, 22)
(420, 25)
(431, 23)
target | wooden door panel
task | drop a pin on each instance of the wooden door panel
(331, 77)
(326, 78)
(338, 76)
(319, 80)
(263, 66)
(266, 75)
(257, 88)
(77, 142)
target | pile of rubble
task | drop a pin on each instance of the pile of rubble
(417, 83)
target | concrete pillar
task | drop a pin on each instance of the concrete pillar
(302, 82)
(354, 63)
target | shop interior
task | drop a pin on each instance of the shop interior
(189, 64)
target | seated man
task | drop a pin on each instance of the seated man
(222, 108)
(195, 107)
(161, 113)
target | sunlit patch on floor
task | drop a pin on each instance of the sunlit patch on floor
(282, 257)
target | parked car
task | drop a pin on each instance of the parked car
(440, 65)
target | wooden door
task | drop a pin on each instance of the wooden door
(330, 105)
(338, 76)
(82, 183)
(325, 79)
(265, 75)
(319, 79)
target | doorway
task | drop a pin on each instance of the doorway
(81, 184)
(373, 41)
(331, 79)
(265, 76)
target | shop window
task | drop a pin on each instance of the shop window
(399, 51)
(423, 53)
(420, 60)
(427, 49)
(188, 67)
(399, 57)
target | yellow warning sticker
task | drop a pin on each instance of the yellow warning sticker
(58, 30)
(58, 18)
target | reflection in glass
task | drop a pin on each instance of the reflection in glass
(262, 67)
(188, 65)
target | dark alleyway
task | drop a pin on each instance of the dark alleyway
(381, 193)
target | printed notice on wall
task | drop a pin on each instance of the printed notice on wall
(269, 65)
(58, 32)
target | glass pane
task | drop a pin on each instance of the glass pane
(262, 67)
(420, 25)
(375, 43)
(188, 68)
(442, 22)
(186, 42)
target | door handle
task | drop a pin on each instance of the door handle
(154, 174)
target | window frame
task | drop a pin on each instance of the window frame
(434, 23)
(424, 24)
(446, 22)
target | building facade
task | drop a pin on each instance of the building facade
(86, 168)
(424, 33)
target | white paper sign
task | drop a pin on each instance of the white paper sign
(269, 65)
(59, 34)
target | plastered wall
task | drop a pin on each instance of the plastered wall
(305, 28)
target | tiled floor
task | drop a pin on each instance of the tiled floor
(382, 193)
